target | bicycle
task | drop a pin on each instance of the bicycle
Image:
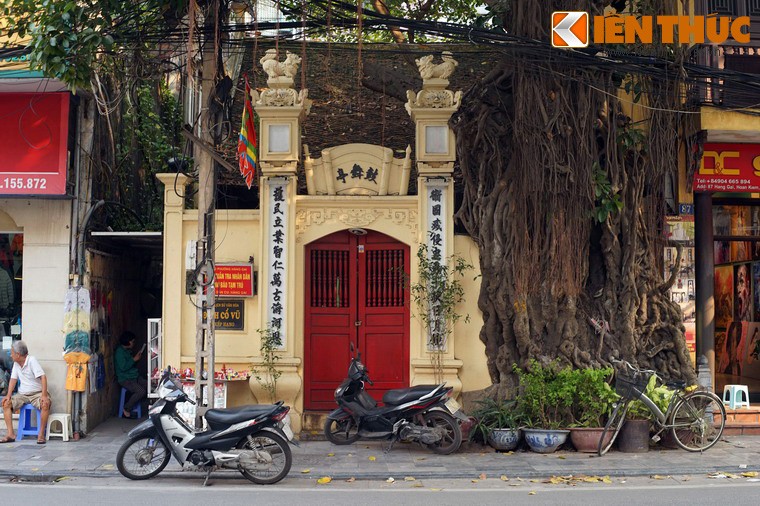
(695, 418)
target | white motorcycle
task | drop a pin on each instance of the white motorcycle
(251, 439)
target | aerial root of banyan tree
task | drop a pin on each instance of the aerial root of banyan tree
(529, 139)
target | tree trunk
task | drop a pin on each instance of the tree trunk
(536, 142)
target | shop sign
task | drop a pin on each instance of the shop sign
(34, 144)
(233, 280)
(729, 168)
(228, 314)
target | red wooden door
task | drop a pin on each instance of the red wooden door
(355, 293)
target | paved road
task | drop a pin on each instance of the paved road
(683, 490)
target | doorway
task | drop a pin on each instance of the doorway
(356, 293)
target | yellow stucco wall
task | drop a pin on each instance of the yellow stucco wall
(239, 236)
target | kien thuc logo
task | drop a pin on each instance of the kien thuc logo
(571, 29)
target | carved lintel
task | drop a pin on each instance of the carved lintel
(307, 218)
(278, 168)
(433, 99)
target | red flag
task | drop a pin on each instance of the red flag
(247, 143)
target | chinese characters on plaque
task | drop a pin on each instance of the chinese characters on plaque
(357, 172)
(436, 234)
(277, 255)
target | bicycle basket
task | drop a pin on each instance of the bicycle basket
(630, 385)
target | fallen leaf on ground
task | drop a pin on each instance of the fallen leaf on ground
(717, 475)
(514, 484)
(62, 478)
(658, 477)
(750, 474)
(606, 479)
(409, 478)
(390, 480)
(435, 489)
(532, 492)
(351, 480)
(732, 476)
(561, 457)
(535, 480)
(475, 480)
(324, 480)
(104, 466)
(305, 471)
(372, 458)
(331, 455)
(504, 477)
(508, 453)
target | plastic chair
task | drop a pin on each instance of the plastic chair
(736, 396)
(25, 427)
(65, 420)
(136, 410)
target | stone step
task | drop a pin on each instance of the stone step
(313, 425)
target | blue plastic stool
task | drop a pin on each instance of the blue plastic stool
(25, 427)
(136, 410)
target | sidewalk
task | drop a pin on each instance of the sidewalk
(95, 456)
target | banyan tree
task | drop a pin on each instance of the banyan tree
(564, 195)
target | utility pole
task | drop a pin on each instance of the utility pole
(205, 300)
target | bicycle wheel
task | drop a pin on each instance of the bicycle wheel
(615, 422)
(698, 421)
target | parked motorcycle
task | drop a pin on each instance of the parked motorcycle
(251, 439)
(421, 414)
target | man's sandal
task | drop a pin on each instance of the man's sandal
(8, 439)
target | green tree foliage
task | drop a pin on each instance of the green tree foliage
(70, 39)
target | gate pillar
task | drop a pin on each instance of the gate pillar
(281, 110)
(430, 109)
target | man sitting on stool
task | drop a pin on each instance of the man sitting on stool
(32, 390)
(127, 374)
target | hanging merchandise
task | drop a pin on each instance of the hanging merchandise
(101, 372)
(76, 372)
(92, 373)
(76, 320)
(76, 347)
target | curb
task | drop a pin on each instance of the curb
(379, 476)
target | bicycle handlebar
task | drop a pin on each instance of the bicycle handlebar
(632, 367)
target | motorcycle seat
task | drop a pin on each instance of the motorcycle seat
(240, 414)
(404, 395)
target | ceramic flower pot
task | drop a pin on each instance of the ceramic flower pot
(586, 439)
(545, 440)
(504, 439)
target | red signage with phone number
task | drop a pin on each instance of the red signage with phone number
(233, 280)
(34, 143)
(729, 168)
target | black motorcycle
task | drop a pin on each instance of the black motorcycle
(420, 414)
(250, 439)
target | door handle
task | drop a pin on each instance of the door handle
(358, 323)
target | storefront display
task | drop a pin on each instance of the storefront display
(736, 230)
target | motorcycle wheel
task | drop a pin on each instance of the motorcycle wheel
(341, 432)
(142, 457)
(452, 438)
(275, 458)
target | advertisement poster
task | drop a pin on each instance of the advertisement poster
(756, 290)
(728, 167)
(732, 354)
(724, 296)
(742, 293)
(751, 368)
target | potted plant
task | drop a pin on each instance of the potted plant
(544, 401)
(634, 435)
(498, 423)
(593, 401)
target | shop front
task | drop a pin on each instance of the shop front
(731, 173)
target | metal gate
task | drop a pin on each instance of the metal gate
(356, 293)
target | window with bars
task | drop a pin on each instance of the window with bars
(329, 278)
(385, 278)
